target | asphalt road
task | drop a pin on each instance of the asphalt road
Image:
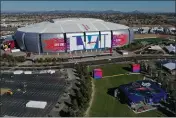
(93, 61)
(44, 87)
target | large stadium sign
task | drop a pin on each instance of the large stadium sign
(77, 41)
(92, 41)
(119, 40)
(55, 44)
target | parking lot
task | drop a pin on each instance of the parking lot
(43, 87)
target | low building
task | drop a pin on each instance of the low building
(172, 30)
(145, 30)
(123, 52)
(171, 67)
(156, 30)
(170, 48)
(155, 47)
(135, 29)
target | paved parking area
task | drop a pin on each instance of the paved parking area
(43, 87)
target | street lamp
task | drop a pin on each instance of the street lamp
(24, 87)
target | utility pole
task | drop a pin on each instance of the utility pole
(24, 87)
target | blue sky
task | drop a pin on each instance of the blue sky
(144, 6)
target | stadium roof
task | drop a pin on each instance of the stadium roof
(66, 25)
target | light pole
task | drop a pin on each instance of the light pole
(24, 87)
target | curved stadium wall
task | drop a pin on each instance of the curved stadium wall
(38, 42)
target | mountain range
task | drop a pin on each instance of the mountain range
(78, 11)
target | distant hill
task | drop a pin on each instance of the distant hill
(136, 12)
(80, 11)
(73, 11)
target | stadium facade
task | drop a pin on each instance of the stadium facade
(72, 34)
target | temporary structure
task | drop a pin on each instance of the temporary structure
(36, 104)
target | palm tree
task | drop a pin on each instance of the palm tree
(175, 107)
(142, 66)
(170, 86)
(160, 77)
(150, 70)
(54, 60)
(145, 66)
(165, 82)
(155, 74)
(74, 107)
(153, 70)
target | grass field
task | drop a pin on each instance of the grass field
(104, 104)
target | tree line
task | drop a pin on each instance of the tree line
(80, 99)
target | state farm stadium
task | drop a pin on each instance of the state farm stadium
(72, 35)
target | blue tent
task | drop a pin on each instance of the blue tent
(143, 90)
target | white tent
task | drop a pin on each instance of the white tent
(18, 72)
(27, 72)
(51, 71)
(36, 104)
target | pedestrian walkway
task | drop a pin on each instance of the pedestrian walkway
(120, 75)
(114, 75)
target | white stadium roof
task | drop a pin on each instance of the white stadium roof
(66, 25)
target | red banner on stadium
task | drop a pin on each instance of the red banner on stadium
(120, 40)
(55, 44)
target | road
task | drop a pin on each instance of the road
(44, 87)
(95, 61)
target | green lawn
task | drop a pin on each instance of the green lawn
(104, 104)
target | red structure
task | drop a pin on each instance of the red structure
(10, 43)
(136, 68)
(97, 73)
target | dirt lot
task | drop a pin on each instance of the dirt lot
(142, 36)
(151, 25)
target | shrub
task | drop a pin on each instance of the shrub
(54, 60)
(19, 58)
(40, 60)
